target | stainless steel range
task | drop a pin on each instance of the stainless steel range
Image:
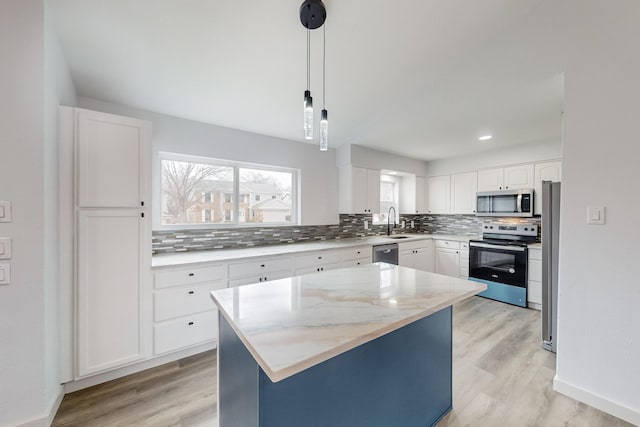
(500, 261)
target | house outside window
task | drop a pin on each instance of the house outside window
(205, 192)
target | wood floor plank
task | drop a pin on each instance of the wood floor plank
(502, 377)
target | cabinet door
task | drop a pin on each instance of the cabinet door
(440, 194)
(517, 177)
(405, 258)
(491, 179)
(425, 259)
(548, 171)
(112, 154)
(110, 281)
(359, 182)
(421, 194)
(373, 191)
(464, 187)
(448, 262)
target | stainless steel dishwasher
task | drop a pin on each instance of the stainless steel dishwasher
(386, 253)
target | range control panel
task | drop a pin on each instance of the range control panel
(511, 229)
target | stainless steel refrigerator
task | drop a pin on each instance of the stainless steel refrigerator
(550, 233)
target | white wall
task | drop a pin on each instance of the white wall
(59, 90)
(22, 343)
(599, 291)
(523, 153)
(319, 174)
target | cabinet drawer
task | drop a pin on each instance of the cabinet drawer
(464, 246)
(185, 331)
(356, 262)
(535, 254)
(357, 253)
(318, 269)
(274, 275)
(176, 302)
(258, 267)
(186, 276)
(317, 259)
(451, 244)
(415, 244)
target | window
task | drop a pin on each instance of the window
(389, 197)
(198, 191)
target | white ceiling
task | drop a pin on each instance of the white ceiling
(422, 78)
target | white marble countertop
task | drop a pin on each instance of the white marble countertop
(291, 324)
(224, 255)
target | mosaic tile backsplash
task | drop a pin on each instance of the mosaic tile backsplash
(352, 225)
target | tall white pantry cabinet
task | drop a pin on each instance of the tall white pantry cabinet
(112, 242)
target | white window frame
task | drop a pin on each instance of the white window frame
(295, 192)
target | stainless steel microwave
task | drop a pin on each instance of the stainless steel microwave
(513, 203)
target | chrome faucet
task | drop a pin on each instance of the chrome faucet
(389, 220)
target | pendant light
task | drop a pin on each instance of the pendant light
(324, 118)
(312, 16)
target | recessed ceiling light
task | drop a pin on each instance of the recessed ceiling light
(485, 138)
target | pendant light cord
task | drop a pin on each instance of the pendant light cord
(324, 54)
(308, 57)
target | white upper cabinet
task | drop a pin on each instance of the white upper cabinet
(509, 178)
(518, 177)
(414, 194)
(359, 190)
(547, 171)
(490, 179)
(112, 160)
(421, 194)
(439, 194)
(463, 193)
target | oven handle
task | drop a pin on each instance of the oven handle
(500, 247)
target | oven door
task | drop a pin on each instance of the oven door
(498, 263)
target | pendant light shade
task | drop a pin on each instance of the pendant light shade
(324, 131)
(308, 115)
(313, 15)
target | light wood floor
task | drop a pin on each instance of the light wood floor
(501, 377)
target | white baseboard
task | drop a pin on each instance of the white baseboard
(81, 383)
(52, 410)
(610, 407)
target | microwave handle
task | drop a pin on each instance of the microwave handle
(519, 203)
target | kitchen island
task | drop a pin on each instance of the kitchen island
(369, 345)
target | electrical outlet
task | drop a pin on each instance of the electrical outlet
(5, 211)
(366, 224)
(413, 224)
(5, 247)
(404, 224)
(595, 215)
(5, 274)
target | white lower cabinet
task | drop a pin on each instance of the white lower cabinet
(418, 254)
(359, 255)
(447, 260)
(464, 260)
(534, 282)
(111, 289)
(317, 261)
(259, 270)
(185, 331)
(184, 314)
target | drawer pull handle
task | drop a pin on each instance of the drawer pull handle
(261, 265)
(358, 252)
(261, 279)
(265, 278)
(190, 323)
(191, 274)
(191, 292)
(319, 257)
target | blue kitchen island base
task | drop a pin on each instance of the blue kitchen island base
(403, 378)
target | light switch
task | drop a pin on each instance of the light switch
(5, 247)
(5, 211)
(5, 274)
(595, 215)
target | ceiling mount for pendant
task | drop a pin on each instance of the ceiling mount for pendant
(312, 14)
